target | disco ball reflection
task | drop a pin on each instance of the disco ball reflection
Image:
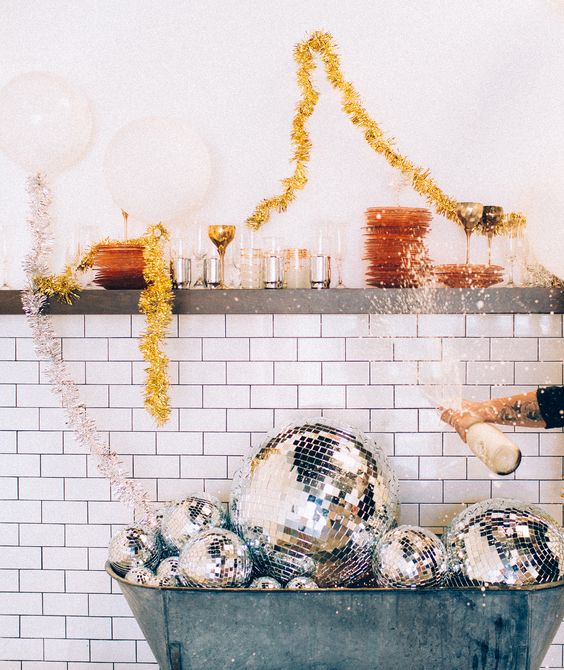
(501, 541)
(312, 500)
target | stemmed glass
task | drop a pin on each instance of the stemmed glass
(491, 218)
(339, 241)
(221, 236)
(515, 247)
(125, 216)
(470, 214)
(397, 182)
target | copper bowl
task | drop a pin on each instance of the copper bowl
(120, 266)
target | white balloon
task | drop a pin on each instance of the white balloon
(157, 169)
(545, 229)
(45, 123)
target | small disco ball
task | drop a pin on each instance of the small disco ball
(409, 556)
(312, 500)
(265, 583)
(168, 573)
(301, 584)
(141, 576)
(134, 547)
(214, 559)
(500, 541)
(185, 519)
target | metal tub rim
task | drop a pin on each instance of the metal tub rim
(246, 589)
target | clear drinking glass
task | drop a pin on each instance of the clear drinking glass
(233, 267)
(339, 242)
(516, 256)
(296, 268)
(250, 268)
(248, 253)
(180, 264)
(323, 243)
(4, 259)
(200, 248)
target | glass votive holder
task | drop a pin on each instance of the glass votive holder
(211, 272)
(273, 271)
(296, 268)
(272, 246)
(181, 272)
(250, 268)
(320, 271)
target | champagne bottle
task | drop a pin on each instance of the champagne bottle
(493, 448)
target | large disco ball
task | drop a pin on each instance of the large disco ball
(409, 556)
(134, 547)
(216, 558)
(500, 541)
(312, 500)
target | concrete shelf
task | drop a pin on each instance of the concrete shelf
(502, 300)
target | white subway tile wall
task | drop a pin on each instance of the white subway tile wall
(234, 378)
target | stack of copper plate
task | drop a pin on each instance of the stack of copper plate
(120, 266)
(462, 275)
(394, 247)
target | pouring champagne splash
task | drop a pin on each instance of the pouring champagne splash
(494, 448)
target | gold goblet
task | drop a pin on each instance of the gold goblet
(491, 218)
(470, 214)
(221, 236)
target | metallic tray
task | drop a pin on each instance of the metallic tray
(347, 629)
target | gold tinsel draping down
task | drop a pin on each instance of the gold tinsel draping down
(304, 54)
(155, 302)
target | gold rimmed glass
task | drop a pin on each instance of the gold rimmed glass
(470, 215)
(221, 236)
(492, 217)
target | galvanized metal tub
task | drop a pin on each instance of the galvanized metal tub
(347, 629)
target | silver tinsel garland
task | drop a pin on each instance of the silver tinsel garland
(48, 346)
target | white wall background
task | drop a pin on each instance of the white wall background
(472, 90)
(234, 377)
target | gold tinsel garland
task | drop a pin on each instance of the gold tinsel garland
(421, 181)
(155, 302)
